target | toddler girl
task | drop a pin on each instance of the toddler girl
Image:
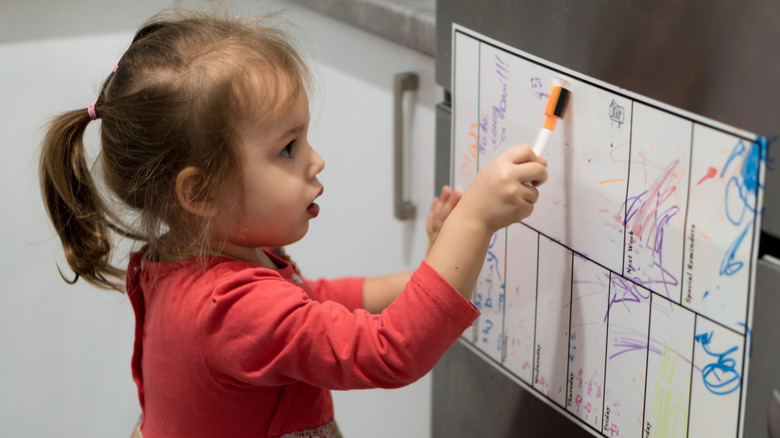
(205, 160)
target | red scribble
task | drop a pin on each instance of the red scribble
(661, 190)
(711, 172)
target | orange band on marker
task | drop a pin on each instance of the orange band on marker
(556, 106)
(555, 95)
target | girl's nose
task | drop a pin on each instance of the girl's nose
(317, 163)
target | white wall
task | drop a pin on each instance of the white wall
(65, 350)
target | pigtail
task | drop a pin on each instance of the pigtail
(74, 204)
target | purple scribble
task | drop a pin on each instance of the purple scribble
(492, 127)
(625, 292)
(647, 217)
(537, 89)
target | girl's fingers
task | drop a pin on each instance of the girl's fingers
(520, 154)
(536, 174)
(531, 194)
(429, 224)
(452, 201)
(445, 193)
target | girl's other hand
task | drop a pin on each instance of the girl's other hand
(440, 209)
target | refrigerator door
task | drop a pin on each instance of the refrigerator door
(719, 59)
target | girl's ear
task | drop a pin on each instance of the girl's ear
(193, 194)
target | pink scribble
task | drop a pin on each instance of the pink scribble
(661, 189)
(711, 172)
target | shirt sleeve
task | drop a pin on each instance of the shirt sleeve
(346, 291)
(264, 331)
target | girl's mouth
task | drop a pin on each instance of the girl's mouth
(313, 209)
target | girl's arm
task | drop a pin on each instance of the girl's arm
(379, 292)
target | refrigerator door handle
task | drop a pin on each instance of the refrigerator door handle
(404, 209)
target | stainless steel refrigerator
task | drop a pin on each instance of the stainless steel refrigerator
(718, 59)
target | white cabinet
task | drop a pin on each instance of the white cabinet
(356, 232)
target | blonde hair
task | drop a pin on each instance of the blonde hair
(176, 99)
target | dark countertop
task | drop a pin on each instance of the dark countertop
(411, 23)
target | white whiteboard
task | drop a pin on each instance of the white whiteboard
(624, 300)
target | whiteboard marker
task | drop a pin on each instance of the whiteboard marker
(556, 107)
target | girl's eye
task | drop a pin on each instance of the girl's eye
(287, 151)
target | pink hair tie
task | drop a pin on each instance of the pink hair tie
(91, 111)
(91, 108)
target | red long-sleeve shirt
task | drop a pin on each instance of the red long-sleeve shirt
(232, 349)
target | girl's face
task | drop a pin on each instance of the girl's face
(279, 175)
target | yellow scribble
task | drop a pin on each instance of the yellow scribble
(670, 400)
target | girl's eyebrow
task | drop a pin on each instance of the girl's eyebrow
(294, 130)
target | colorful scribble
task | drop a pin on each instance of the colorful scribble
(490, 299)
(469, 165)
(711, 172)
(670, 396)
(647, 217)
(537, 89)
(720, 377)
(493, 131)
(625, 292)
(585, 393)
(740, 199)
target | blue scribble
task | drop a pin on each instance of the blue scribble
(729, 266)
(489, 326)
(721, 377)
(486, 330)
(740, 197)
(492, 261)
(493, 277)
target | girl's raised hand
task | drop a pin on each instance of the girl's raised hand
(440, 209)
(504, 192)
